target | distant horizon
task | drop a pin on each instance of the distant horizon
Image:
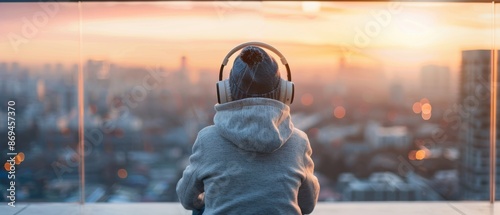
(397, 38)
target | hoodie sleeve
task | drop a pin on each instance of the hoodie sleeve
(309, 190)
(190, 187)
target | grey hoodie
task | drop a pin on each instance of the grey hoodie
(252, 161)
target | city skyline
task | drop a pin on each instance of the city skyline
(165, 121)
(380, 92)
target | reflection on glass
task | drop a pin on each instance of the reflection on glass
(393, 96)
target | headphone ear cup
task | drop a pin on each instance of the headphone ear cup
(223, 91)
(286, 91)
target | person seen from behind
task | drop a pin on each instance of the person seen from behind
(252, 160)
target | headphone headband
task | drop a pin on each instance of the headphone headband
(260, 44)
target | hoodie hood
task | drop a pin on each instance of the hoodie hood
(254, 124)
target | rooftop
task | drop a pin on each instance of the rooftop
(352, 208)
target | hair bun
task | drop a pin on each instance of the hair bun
(251, 55)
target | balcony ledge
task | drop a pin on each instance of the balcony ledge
(323, 208)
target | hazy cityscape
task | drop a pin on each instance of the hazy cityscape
(372, 141)
(394, 96)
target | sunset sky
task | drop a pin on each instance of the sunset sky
(313, 36)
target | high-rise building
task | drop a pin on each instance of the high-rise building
(475, 126)
(397, 94)
(183, 73)
(435, 83)
(3, 73)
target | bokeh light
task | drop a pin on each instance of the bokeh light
(307, 99)
(18, 159)
(122, 173)
(426, 108)
(339, 112)
(420, 154)
(426, 116)
(7, 166)
(417, 107)
(21, 156)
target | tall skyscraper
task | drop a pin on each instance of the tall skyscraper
(182, 78)
(435, 83)
(183, 73)
(396, 91)
(475, 126)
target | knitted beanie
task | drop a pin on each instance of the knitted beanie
(254, 74)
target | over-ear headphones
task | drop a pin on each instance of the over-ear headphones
(286, 86)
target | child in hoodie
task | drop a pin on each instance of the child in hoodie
(252, 160)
